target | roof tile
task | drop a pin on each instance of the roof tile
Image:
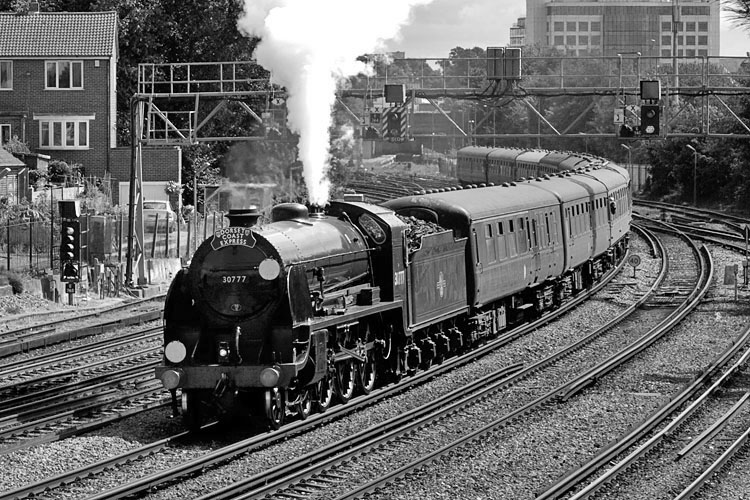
(58, 34)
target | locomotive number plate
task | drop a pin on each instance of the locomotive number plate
(238, 278)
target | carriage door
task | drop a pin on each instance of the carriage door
(533, 236)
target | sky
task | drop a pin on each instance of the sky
(438, 27)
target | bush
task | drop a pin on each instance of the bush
(13, 279)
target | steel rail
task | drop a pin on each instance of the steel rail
(282, 476)
(664, 413)
(155, 480)
(571, 479)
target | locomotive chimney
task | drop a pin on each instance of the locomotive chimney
(317, 211)
(243, 217)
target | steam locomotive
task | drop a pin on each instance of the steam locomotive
(279, 320)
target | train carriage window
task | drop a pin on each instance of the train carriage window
(546, 223)
(533, 233)
(500, 228)
(489, 241)
(510, 226)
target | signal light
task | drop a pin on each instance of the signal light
(649, 120)
(70, 251)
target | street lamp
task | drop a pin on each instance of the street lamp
(695, 169)
(630, 163)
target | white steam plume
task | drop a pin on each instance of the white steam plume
(308, 45)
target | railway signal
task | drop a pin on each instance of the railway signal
(395, 124)
(70, 251)
(70, 241)
(649, 120)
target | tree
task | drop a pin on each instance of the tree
(739, 12)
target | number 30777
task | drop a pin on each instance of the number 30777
(237, 278)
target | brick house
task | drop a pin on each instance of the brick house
(58, 84)
(58, 92)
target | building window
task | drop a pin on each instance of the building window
(6, 75)
(570, 40)
(596, 26)
(690, 52)
(666, 53)
(4, 133)
(583, 26)
(571, 25)
(64, 74)
(666, 40)
(559, 40)
(702, 25)
(583, 40)
(690, 26)
(596, 40)
(64, 132)
(559, 26)
(666, 26)
(690, 40)
(679, 40)
(702, 40)
(702, 52)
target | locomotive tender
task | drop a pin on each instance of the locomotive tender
(480, 164)
(277, 320)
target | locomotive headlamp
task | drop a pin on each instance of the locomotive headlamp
(175, 351)
(223, 352)
(269, 376)
(269, 269)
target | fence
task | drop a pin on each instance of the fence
(33, 245)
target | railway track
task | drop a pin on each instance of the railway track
(241, 448)
(399, 449)
(75, 390)
(46, 331)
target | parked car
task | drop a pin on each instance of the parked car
(152, 208)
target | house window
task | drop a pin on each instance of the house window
(4, 133)
(64, 74)
(6, 75)
(64, 132)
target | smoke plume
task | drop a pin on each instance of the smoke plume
(308, 46)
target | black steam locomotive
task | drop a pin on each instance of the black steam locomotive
(280, 319)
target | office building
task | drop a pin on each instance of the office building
(688, 28)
